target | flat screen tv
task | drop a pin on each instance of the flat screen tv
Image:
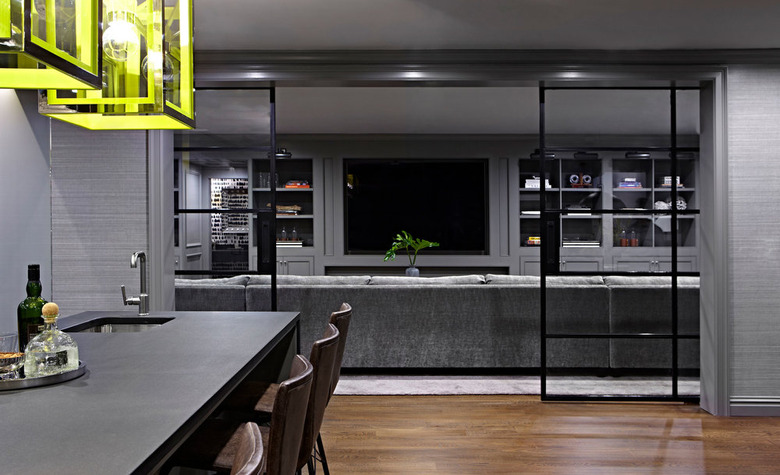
(445, 201)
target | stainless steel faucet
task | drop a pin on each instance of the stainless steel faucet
(143, 299)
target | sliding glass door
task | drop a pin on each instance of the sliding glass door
(225, 198)
(618, 241)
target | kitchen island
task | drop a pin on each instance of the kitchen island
(144, 390)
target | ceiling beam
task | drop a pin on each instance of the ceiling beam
(463, 67)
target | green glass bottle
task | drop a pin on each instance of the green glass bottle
(28, 314)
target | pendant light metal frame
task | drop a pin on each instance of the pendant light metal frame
(128, 100)
(40, 63)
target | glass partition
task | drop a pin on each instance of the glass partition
(221, 223)
(618, 237)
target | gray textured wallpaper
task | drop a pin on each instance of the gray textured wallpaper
(754, 228)
(99, 215)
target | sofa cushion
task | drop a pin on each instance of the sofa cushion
(310, 280)
(235, 280)
(501, 279)
(574, 281)
(259, 280)
(650, 281)
(643, 304)
(415, 281)
(221, 297)
(405, 326)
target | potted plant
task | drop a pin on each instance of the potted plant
(412, 246)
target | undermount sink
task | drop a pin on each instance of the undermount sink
(119, 325)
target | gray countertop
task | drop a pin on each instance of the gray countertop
(142, 392)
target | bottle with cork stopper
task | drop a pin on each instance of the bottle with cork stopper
(51, 351)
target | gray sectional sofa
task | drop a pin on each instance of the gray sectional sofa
(472, 321)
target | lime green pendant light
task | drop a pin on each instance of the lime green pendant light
(49, 43)
(147, 80)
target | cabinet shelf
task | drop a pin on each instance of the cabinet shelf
(660, 189)
(284, 190)
(581, 190)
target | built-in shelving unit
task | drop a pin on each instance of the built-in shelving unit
(636, 237)
(297, 185)
(294, 184)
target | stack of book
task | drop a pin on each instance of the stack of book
(297, 184)
(287, 210)
(630, 183)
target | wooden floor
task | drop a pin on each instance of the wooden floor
(520, 434)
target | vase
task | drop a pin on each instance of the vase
(412, 272)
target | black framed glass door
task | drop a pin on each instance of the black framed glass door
(618, 243)
(222, 230)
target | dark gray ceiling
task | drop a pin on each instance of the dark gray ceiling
(485, 24)
(303, 25)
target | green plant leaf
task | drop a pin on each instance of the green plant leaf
(404, 240)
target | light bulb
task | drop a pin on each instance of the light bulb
(169, 69)
(120, 40)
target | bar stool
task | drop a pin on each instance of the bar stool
(258, 397)
(250, 456)
(215, 445)
(340, 319)
(256, 400)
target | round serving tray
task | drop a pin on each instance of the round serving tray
(24, 383)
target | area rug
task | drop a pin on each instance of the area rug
(454, 385)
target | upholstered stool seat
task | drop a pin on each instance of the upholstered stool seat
(216, 443)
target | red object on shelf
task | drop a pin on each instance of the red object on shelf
(297, 184)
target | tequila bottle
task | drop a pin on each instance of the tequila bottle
(51, 351)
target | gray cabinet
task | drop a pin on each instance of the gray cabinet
(294, 265)
(530, 265)
(298, 184)
(580, 264)
(654, 264)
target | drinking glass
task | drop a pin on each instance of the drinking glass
(11, 359)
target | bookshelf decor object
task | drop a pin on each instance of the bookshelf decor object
(147, 79)
(47, 44)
